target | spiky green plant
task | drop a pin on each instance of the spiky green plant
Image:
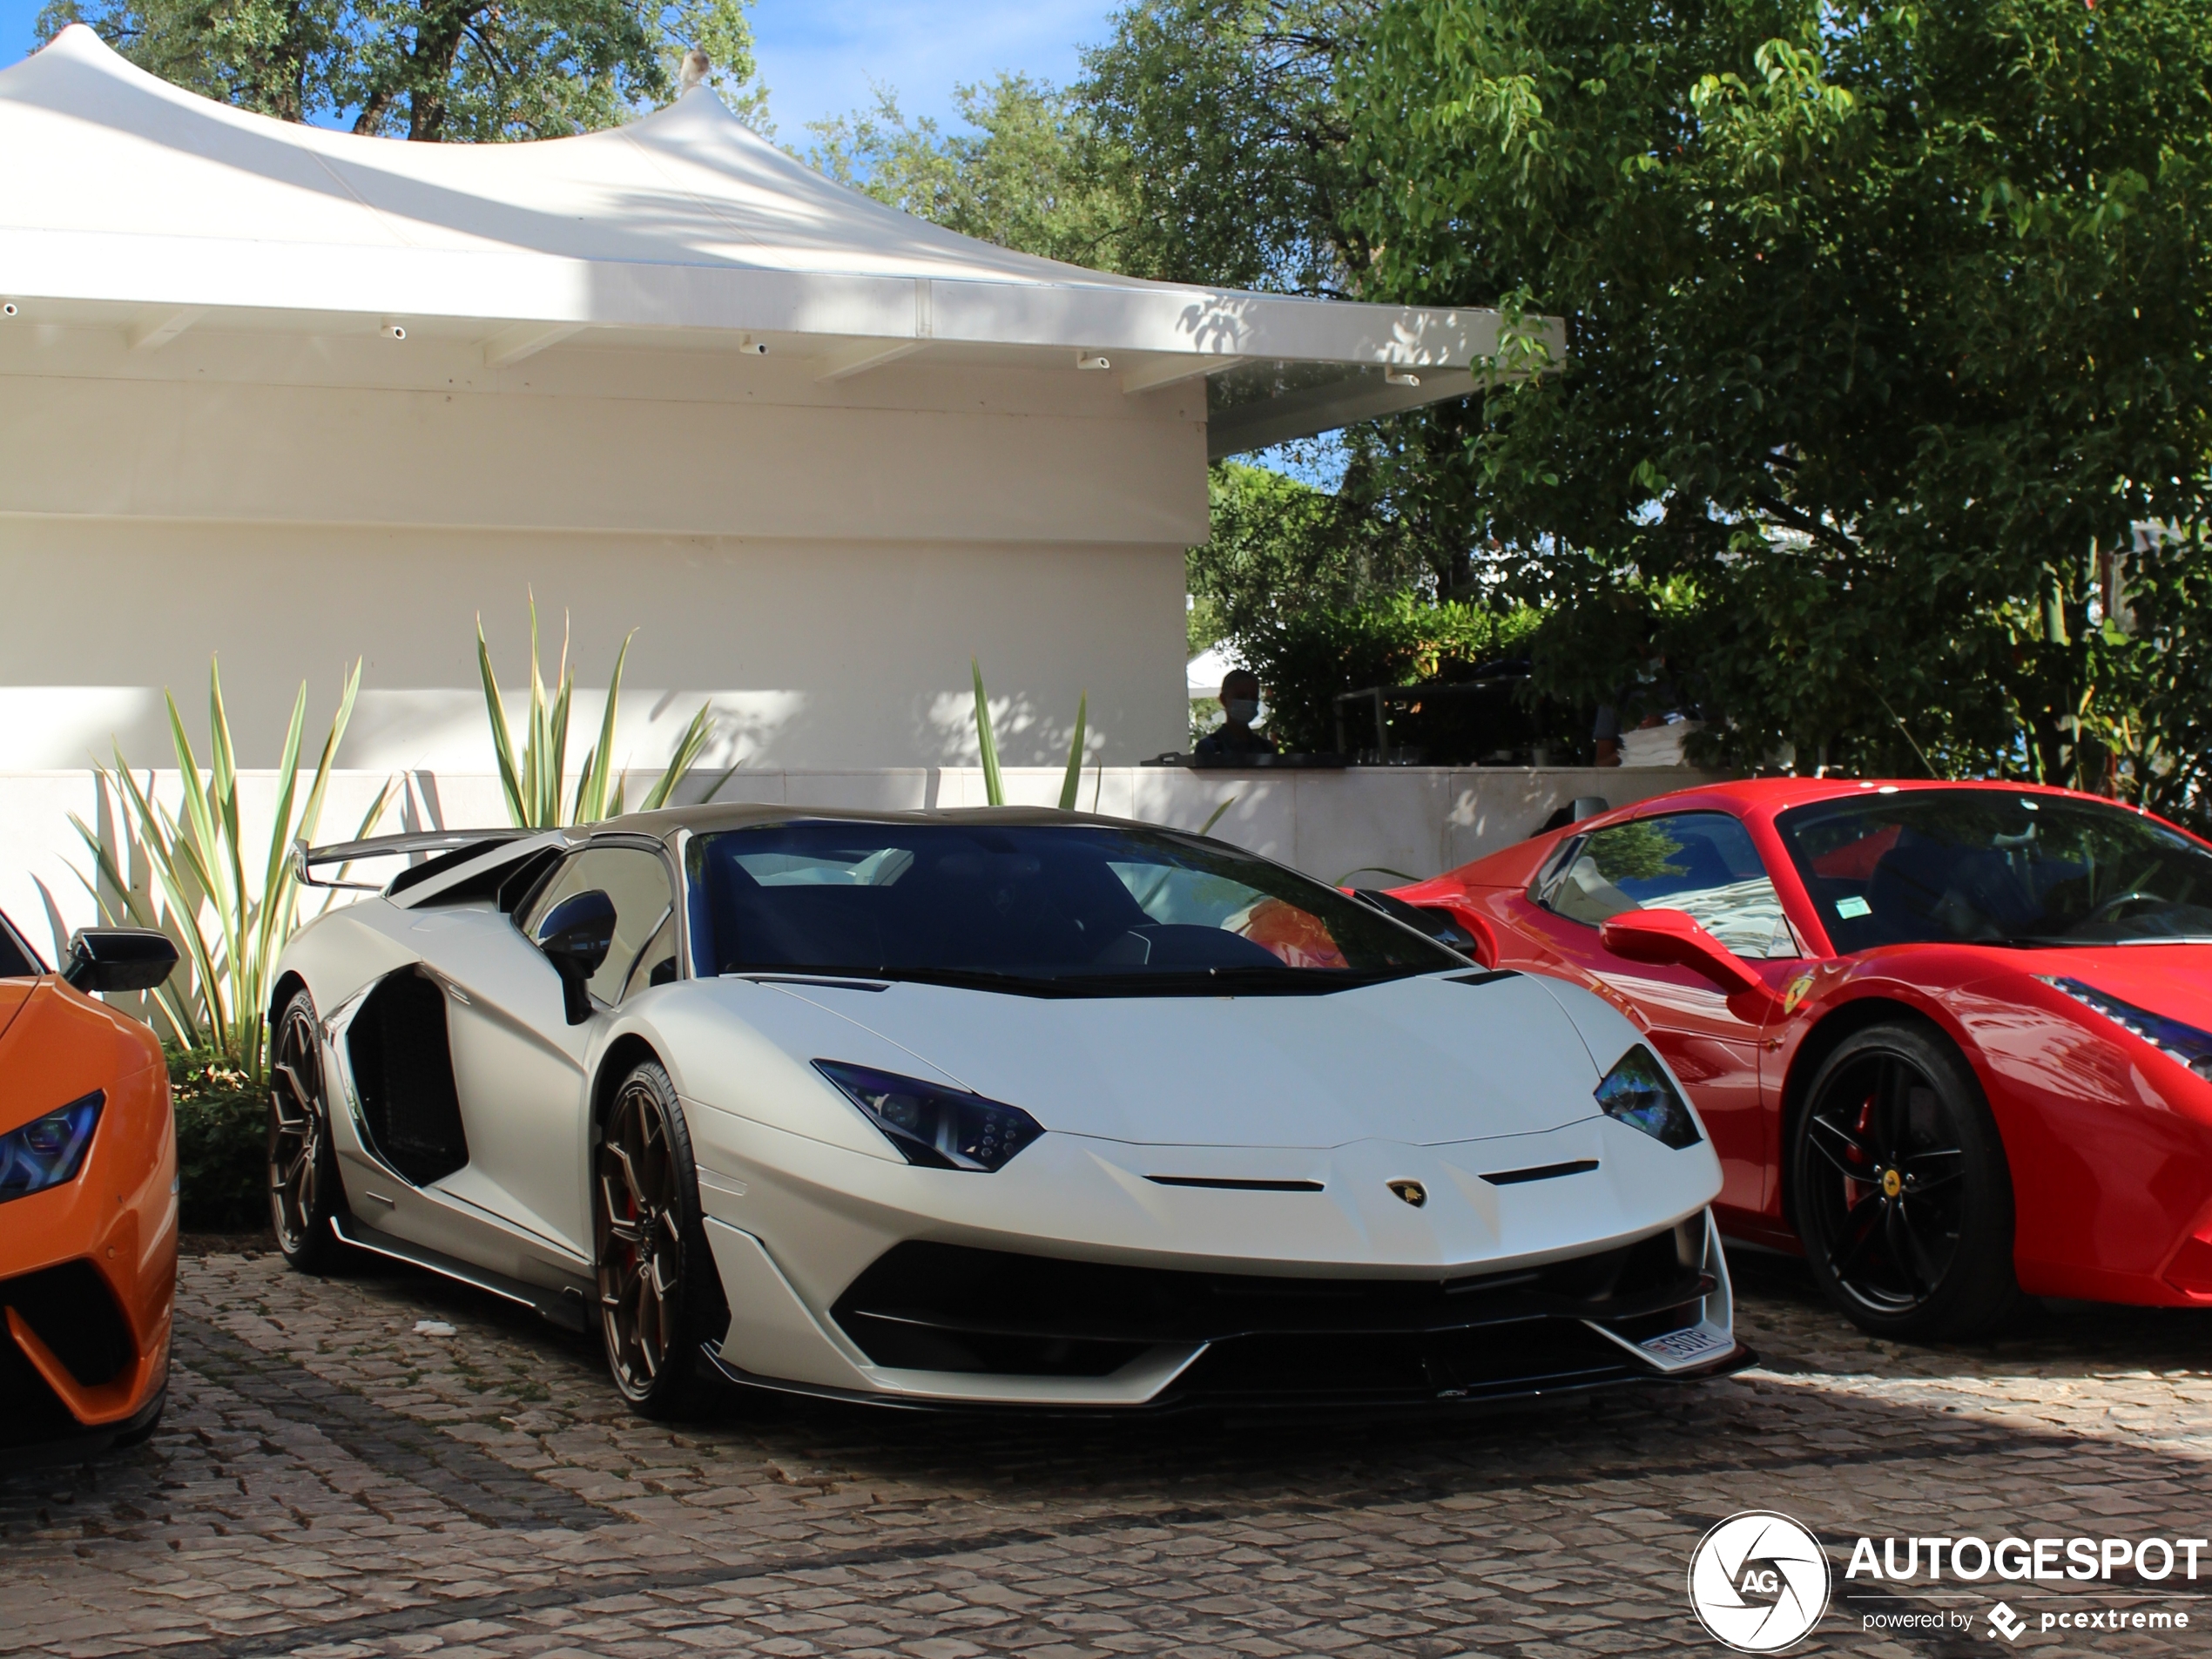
(986, 746)
(1074, 774)
(229, 931)
(535, 781)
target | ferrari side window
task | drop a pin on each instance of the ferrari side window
(1546, 882)
(636, 881)
(1702, 863)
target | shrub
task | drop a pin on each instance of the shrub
(1304, 660)
(222, 1143)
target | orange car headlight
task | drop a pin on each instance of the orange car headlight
(49, 1150)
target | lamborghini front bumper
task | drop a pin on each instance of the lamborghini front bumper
(946, 1325)
(1563, 1261)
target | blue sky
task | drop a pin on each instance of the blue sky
(818, 55)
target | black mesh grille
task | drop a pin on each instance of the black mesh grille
(1531, 1356)
(946, 1307)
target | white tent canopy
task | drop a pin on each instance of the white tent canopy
(1202, 674)
(130, 197)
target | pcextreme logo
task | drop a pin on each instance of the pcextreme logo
(1758, 1581)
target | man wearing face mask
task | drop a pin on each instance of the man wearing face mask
(1239, 708)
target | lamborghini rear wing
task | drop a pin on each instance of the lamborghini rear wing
(306, 858)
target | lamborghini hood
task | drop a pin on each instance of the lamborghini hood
(1421, 1061)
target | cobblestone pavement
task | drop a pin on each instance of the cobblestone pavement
(329, 1482)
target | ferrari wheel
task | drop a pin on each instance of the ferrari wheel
(304, 1189)
(1904, 1197)
(658, 1286)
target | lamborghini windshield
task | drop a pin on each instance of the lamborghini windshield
(1065, 909)
(1996, 866)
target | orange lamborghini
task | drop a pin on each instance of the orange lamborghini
(88, 1194)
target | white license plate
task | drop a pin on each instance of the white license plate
(1677, 1346)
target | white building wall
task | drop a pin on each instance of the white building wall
(818, 560)
(811, 653)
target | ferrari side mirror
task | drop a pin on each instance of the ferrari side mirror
(1675, 937)
(117, 958)
(575, 936)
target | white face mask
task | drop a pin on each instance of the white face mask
(1243, 709)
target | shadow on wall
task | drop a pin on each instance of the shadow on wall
(944, 731)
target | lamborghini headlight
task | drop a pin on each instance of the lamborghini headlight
(940, 1129)
(49, 1150)
(1638, 1092)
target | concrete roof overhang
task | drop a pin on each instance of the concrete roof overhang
(135, 205)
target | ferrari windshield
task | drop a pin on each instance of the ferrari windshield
(1996, 866)
(1073, 909)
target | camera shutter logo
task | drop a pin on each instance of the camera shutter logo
(1758, 1581)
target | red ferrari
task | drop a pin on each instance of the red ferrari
(1953, 1042)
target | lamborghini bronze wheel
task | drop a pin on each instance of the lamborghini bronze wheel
(655, 1279)
(304, 1191)
(1903, 1195)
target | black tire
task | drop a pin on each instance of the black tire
(659, 1296)
(1902, 1196)
(304, 1188)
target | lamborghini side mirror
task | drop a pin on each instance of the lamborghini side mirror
(575, 936)
(1675, 937)
(117, 958)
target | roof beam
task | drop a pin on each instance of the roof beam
(511, 346)
(153, 333)
(1173, 371)
(849, 361)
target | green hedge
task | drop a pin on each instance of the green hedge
(222, 1144)
(1304, 660)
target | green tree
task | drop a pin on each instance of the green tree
(1281, 547)
(1034, 174)
(459, 70)
(1227, 120)
(1887, 325)
(1305, 657)
(1202, 143)
(1231, 118)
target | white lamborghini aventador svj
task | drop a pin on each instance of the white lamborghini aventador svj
(997, 1106)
